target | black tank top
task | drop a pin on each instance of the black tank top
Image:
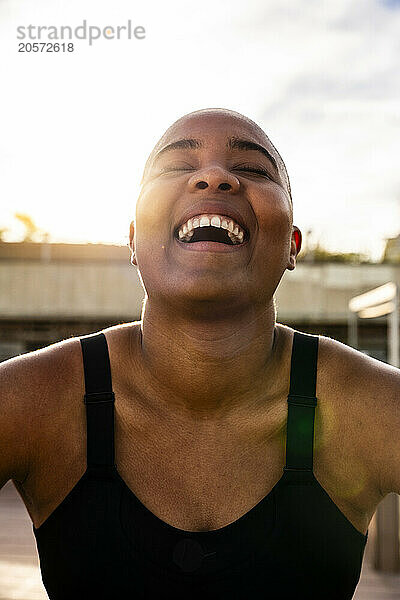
(101, 542)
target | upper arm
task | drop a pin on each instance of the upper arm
(371, 404)
(14, 421)
(32, 391)
(388, 426)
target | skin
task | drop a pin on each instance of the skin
(201, 381)
(218, 305)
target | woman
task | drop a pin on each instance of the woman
(200, 463)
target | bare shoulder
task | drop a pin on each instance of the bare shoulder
(368, 394)
(43, 424)
(370, 380)
(33, 390)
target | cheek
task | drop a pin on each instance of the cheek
(146, 208)
(276, 226)
(154, 224)
(273, 212)
(153, 211)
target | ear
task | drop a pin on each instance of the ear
(132, 242)
(295, 247)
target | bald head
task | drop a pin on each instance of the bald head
(230, 116)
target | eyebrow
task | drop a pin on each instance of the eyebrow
(233, 143)
(184, 144)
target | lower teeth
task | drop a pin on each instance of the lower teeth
(189, 235)
(232, 237)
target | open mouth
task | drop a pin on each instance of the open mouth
(211, 228)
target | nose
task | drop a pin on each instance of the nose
(216, 178)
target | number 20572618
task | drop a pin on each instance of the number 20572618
(45, 47)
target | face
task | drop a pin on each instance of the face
(228, 168)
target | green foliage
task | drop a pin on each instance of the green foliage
(319, 254)
(32, 233)
(28, 223)
(3, 230)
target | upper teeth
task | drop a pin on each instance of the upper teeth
(234, 230)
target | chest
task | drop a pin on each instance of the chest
(199, 478)
(198, 482)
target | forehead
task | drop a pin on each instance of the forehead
(214, 129)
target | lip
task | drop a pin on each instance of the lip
(210, 246)
(215, 207)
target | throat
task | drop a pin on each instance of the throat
(205, 378)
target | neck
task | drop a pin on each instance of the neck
(206, 368)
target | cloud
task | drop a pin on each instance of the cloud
(334, 114)
(320, 77)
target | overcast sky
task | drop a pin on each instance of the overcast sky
(322, 78)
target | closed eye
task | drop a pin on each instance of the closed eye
(256, 170)
(175, 168)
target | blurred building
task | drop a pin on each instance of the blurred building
(49, 292)
(392, 250)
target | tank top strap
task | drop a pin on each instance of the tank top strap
(301, 403)
(99, 401)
